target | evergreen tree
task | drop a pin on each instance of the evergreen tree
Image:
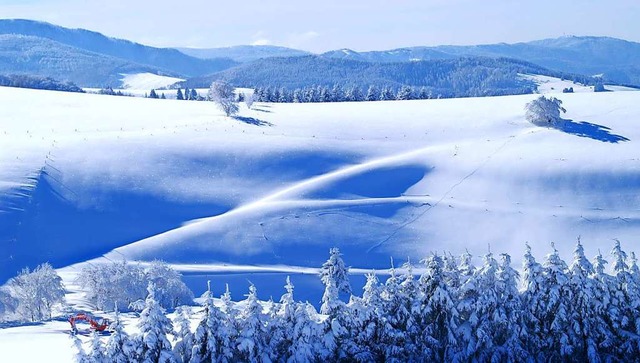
(393, 336)
(305, 336)
(423, 94)
(336, 270)
(179, 95)
(79, 354)
(208, 338)
(622, 300)
(184, 337)
(437, 313)
(119, 348)
(252, 335)
(510, 330)
(368, 322)
(153, 94)
(557, 299)
(228, 332)
(97, 354)
(194, 95)
(387, 94)
(337, 94)
(297, 96)
(154, 346)
(582, 332)
(405, 93)
(372, 94)
(534, 307)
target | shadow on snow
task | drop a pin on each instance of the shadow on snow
(589, 130)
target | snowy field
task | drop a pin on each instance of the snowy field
(265, 194)
(548, 85)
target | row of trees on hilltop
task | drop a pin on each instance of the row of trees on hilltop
(338, 93)
(453, 311)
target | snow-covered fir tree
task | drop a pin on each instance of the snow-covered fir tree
(79, 355)
(437, 312)
(97, 353)
(251, 341)
(184, 337)
(336, 270)
(119, 347)
(155, 326)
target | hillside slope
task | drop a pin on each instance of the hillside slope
(243, 53)
(461, 77)
(20, 54)
(166, 59)
(83, 176)
(614, 59)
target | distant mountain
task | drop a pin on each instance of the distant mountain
(461, 77)
(160, 58)
(244, 53)
(29, 55)
(615, 59)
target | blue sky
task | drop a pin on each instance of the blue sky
(334, 24)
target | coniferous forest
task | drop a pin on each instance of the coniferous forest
(453, 311)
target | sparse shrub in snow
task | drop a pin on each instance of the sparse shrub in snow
(123, 284)
(37, 292)
(221, 93)
(544, 111)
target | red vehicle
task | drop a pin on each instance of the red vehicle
(99, 325)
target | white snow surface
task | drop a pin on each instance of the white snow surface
(147, 81)
(276, 188)
(548, 85)
(386, 178)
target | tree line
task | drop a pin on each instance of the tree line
(452, 311)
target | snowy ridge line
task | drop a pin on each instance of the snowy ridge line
(275, 200)
(266, 203)
(448, 192)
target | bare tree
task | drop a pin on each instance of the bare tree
(249, 99)
(36, 292)
(222, 94)
(544, 111)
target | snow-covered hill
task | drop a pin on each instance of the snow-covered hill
(147, 81)
(546, 84)
(82, 176)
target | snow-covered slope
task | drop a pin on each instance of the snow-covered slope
(548, 84)
(83, 176)
(147, 81)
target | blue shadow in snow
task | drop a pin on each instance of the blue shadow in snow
(40, 225)
(589, 130)
(252, 121)
(385, 182)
